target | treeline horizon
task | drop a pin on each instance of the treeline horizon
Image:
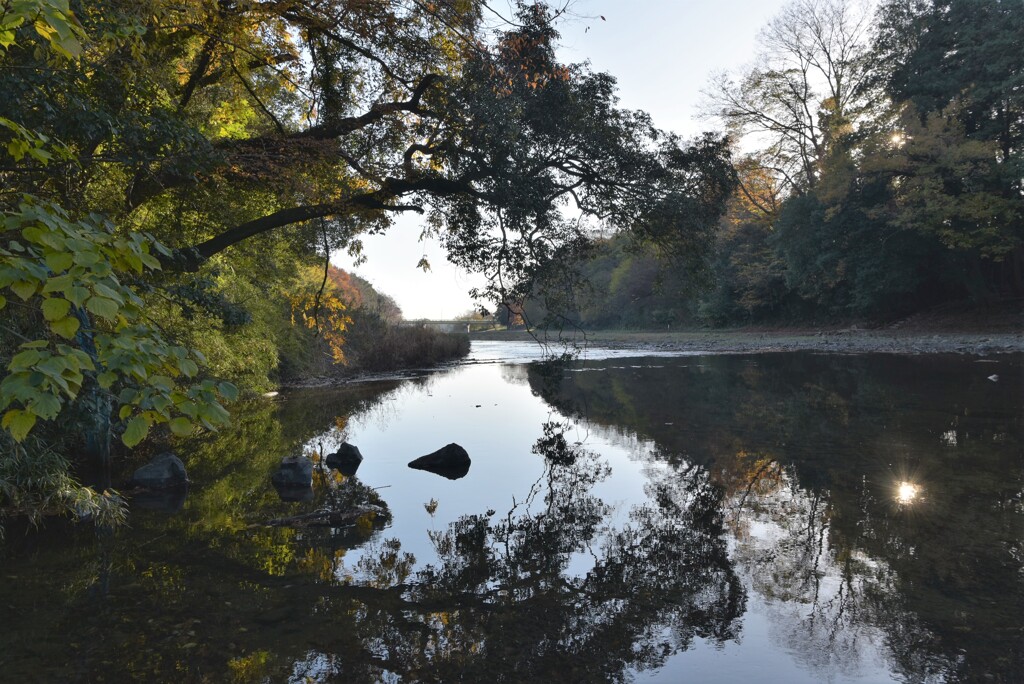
(879, 174)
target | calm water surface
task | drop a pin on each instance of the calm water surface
(667, 518)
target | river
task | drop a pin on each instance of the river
(775, 517)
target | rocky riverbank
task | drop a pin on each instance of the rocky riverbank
(842, 341)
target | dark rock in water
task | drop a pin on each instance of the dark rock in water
(450, 456)
(295, 472)
(294, 493)
(165, 471)
(450, 461)
(450, 472)
(164, 500)
(346, 459)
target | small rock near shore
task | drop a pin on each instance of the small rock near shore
(346, 459)
(165, 471)
(294, 472)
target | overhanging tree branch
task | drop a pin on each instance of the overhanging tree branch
(190, 258)
(147, 185)
(376, 112)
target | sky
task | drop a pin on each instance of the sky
(662, 53)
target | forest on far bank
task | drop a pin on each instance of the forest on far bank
(878, 155)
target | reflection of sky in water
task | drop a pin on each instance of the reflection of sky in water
(794, 628)
(831, 571)
(489, 409)
(497, 422)
(802, 601)
(806, 613)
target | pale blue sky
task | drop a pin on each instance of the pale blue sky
(662, 52)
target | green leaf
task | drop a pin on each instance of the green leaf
(181, 426)
(107, 292)
(161, 404)
(84, 360)
(125, 411)
(74, 380)
(228, 391)
(18, 423)
(35, 234)
(54, 365)
(188, 367)
(135, 431)
(24, 289)
(24, 360)
(59, 261)
(150, 261)
(58, 284)
(65, 327)
(3, 301)
(78, 295)
(159, 246)
(87, 258)
(46, 406)
(39, 154)
(17, 149)
(106, 379)
(101, 306)
(215, 413)
(133, 261)
(55, 309)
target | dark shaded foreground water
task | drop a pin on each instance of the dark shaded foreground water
(770, 518)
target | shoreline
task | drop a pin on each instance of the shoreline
(846, 341)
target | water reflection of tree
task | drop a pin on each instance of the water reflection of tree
(546, 592)
(179, 597)
(551, 590)
(813, 447)
(826, 601)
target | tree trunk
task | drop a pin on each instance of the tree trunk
(95, 408)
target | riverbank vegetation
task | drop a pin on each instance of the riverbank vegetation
(357, 330)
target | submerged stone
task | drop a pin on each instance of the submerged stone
(290, 494)
(165, 500)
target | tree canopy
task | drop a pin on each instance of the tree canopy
(171, 164)
(879, 163)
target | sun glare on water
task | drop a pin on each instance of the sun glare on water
(906, 493)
